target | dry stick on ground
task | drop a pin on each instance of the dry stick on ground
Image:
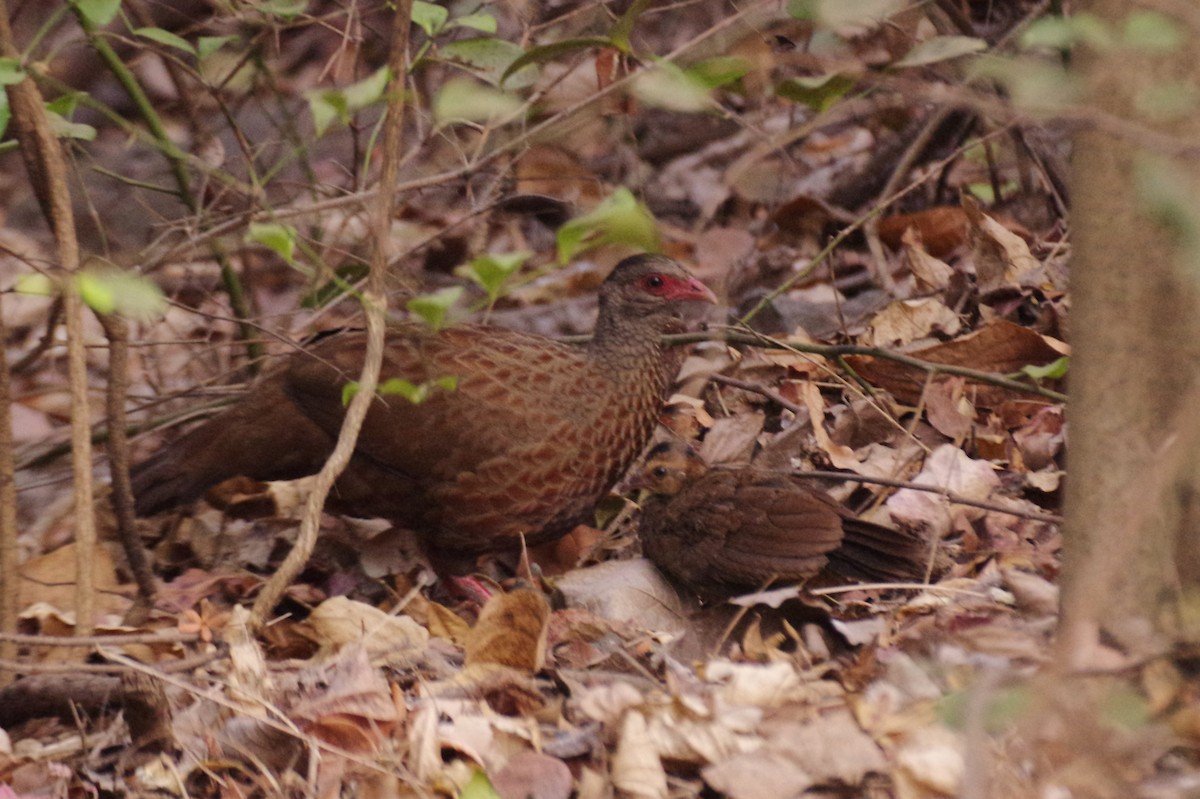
(374, 302)
(117, 444)
(44, 161)
(9, 581)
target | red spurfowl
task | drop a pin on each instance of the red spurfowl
(535, 432)
(727, 531)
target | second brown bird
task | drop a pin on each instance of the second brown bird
(722, 532)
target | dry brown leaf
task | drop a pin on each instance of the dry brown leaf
(948, 409)
(930, 759)
(941, 230)
(840, 455)
(340, 621)
(50, 580)
(930, 273)
(765, 774)
(904, 321)
(1000, 347)
(1001, 257)
(950, 468)
(532, 775)
(511, 632)
(831, 748)
(1033, 593)
(731, 439)
(625, 590)
(636, 767)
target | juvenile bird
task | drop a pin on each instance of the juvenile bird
(534, 433)
(722, 532)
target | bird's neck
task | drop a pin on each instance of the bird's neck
(634, 345)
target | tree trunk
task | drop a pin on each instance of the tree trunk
(1131, 566)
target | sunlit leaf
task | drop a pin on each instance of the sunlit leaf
(667, 86)
(207, 45)
(719, 71)
(166, 38)
(624, 27)
(110, 290)
(37, 284)
(366, 91)
(98, 13)
(66, 129)
(434, 307)
(10, 71)
(941, 48)
(1033, 84)
(818, 92)
(478, 787)
(465, 100)
(481, 21)
(1063, 33)
(490, 58)
(491, 271)
(851, 18)
(1052, 371)
(1152, 32)
(284, 9)
(430, 17)
(279, 238)
(620, 219)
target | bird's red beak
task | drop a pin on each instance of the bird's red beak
(691, 289)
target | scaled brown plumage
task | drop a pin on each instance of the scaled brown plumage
(722, 531)
(535, 432)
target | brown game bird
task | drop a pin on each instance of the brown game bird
(722, 531)
(535, 432)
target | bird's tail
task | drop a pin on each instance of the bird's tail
(265, 436)
(877, 553)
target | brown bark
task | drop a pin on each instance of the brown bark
(1131, 560)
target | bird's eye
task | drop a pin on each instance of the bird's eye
(659, 471)
(654, 282)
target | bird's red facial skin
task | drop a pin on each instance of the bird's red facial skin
(674, 288)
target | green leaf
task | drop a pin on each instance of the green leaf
(818, 92)
(1063, 33)
(667, 86)
(108, 290)
(719, 71)
(479, 787)
(620, 219)
(433, 308)
(489, 58)
(464, 100)
(941, 48)
(624, 27)
(284, 9)
(1051, 371)
(166, 38)
(279, 238)
(1167, 101)
(1152, 32)
(65, 129)
(326, 107)
(207, 45)
(491, 271)
(430, 17)
(98, 13)
(548, 52)
(36, 284)
(10, 71)
(1002, 710)
(366, 91)
(1034, 84)
(857, 17)
(481, 21)
(399, 387)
